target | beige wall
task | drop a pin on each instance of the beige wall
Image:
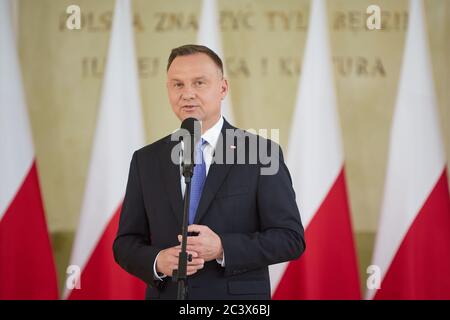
(263, 42)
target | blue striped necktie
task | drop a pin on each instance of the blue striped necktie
(198, 180)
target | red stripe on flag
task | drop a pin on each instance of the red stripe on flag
(328, 268)
(102, 278)
(421, 266)
(27, 269)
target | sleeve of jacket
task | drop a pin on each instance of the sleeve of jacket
(281, 234)
(132, 247)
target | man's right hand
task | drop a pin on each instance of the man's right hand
(168, 261)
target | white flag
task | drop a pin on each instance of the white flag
(413, 241)
(27, 269)
(118, 133)
(328, 268)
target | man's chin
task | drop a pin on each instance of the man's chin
(190, 114)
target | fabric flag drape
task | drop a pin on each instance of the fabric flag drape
(413, 241)
(118, 133)
(328, 268)
(27, 269)
(209, 35)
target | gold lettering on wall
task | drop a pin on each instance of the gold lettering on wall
(236, 20)
(240, 67)
(237, 67)
(289, 66)
(286, 20)
(354, 20)
(240, 20)
(175, 21)
(93, 67)
(362, 67)
(98, 22)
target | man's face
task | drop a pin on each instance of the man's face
(196, 88)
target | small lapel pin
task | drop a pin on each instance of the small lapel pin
(232, 147)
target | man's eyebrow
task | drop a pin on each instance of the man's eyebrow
(200, 78)
(194, 79)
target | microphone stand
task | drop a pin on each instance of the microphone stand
(180, 275)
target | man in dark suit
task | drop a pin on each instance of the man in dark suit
(242, 211)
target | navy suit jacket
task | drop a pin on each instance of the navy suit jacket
(255, 215)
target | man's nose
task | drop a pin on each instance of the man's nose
(188, 93)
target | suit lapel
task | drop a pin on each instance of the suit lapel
(216, 174)
(172, 178)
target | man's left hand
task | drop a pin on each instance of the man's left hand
(207, 243)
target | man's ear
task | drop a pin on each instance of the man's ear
(224, 88)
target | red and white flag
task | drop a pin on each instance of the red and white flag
(27, 269)
(412, 248)
(209, 35)
(328, 268)
(118, 133)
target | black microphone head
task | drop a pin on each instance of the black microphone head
(189, 125)
(193, 127)
(191, 133)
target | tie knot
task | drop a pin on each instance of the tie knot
(201, 144)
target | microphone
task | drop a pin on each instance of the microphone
(191, 133)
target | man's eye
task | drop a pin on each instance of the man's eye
(178, 85)
(200, 83)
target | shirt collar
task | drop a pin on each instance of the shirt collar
(212, 134)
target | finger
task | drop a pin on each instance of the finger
(194, 268)
(194, 249)
(175, 251)
(189, 273)
(194, 255)
(196, 262)
(192, 252)
(189, 240)
(193, 240)
(178, 249)
(200, 266)
(197, 228)
(191, 270)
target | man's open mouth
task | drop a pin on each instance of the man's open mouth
(189, 107)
